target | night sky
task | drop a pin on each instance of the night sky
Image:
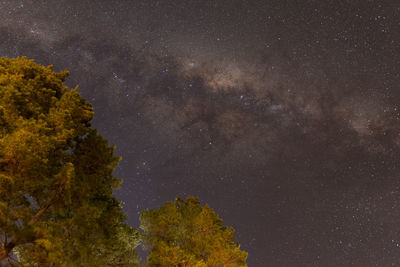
(282, 115)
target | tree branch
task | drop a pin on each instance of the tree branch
(8, 247)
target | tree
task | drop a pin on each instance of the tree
(184, 233)
(56, 182)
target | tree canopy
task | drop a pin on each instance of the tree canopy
(56, 188)
(184, 233)
(56, 182)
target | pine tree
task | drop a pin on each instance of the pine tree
(56, 182)
(184, 233)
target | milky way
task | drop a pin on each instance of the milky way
(281, 115)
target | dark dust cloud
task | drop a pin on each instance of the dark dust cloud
(282, 115)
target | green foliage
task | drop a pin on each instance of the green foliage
(56, 182)
(184, 233)
(56, 188)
